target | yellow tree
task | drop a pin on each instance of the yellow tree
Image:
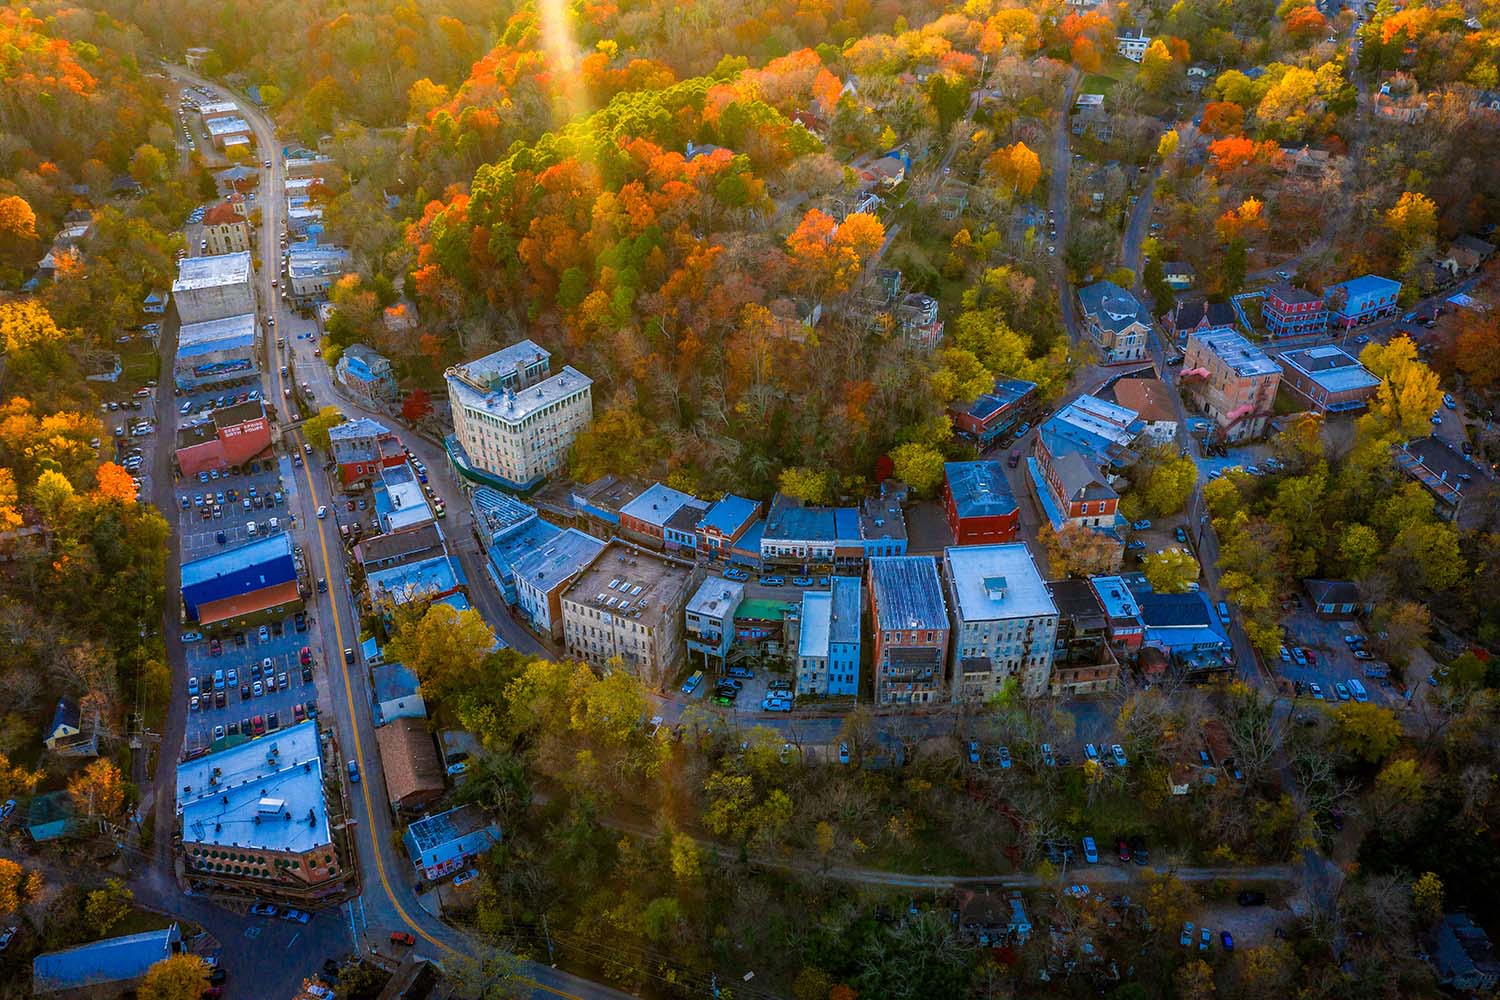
(176, 977)
(1412, 222)
(444, 647)
(26, 325)
(1170, 571)
(1167, 144)
(1156, 66)
(1409, 391)
(16, 218)
(1016, 166)
(98, 790)
(316, 427)
(919, 466)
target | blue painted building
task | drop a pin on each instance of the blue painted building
(1361, 300)
(366, 373)
(828, 646)
(511, 531)
(724, 524)
(240, 583)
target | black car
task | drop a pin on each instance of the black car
(277, 628)
(307, 675)
(220, 699)
(299, 622)
(239, 639)
(1138, 850)
(244, 692)
(1251, 898)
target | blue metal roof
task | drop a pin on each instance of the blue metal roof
(1366, 285)
(979, 489)
(112, 960)
(516, 544)
(238, 571)
(728, 514)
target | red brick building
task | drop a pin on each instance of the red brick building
(981, 508)
(233, 436)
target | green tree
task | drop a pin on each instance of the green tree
(148, 166)
(1154, 275)
(1194, 981)
(316, 427)
(106, 907)
(919, 466)
(1366, 731)
(1168, 484)
(1170, 571)
(176, 977)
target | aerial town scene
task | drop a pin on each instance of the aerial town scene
(808, 499)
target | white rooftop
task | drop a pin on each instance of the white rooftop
(226, 126)
(212, 108)
(512, 408)
(226, 798)
(210, 272)
(715, 598)
(996, 582)
(816, 624)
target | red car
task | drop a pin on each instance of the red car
(1311, 658)
(259, 723)
(306, 656)
(403, 937)
(215, 648)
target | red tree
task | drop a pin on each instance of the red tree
(417, 406)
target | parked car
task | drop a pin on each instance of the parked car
(736, 574)
(973, 751)
(403, 938)
(1205, 939)
(1186, 938)
(7, 936)
(1181, 534)
(772, 581)
(1118, 753)
(802, 581)
(1004, 756)
(843, 753)
(1141, 525)
(742, 672)
(1090, 751)
(1299, 656)
(1251, 897)
(1049, 759)
(1226, 940)
(1090, 851)
(465, 877)
(354, 772)
(296, 916)
(265, 910)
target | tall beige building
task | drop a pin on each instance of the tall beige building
(629, 604)
(513, 420)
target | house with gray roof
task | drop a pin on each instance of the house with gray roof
(911, 630)
(1117, 322)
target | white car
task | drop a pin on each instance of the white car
(322, 511)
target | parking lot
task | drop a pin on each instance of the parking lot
(208, 523)
(130, 428)
(244, 653)
(1333, 660)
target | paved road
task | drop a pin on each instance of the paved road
(1059, 205)
(388, 899)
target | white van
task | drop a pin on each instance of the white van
(275, 524)
(1357, 689)
(250, 528)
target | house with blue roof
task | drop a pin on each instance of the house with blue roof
(246, 585)
(828, 642)
(541, 575)
(724, 523)
(1361, 300)
(1116, 321)
(1077, 453)
(995, 413)
(366, 373)
(112, 965)
(509, 530)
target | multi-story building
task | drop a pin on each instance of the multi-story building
(828, 645)
(1198, 315)
(362, 448)
(1155, 405)
(799, 536)
(311, 269)
(1132, 44)
(1004, 620)
(724, 524)
(1072, 460)
(1232, 382)
(1327, 379)
(994, 413)
(1082, 661)
(226, 230)
(1122, 613)
(1116, 321)
(1290, 311)
(645, 518)
(710, 619)
(216, 352)
(543, 575)
(882, 524)
(513, 424)
(366, 373)
(223, 129)
(981, 508)
(214, 287)
(628, 605)
(253, 821)
(1361, 300)
(911, 630)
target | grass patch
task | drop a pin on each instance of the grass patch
(1096, 83)
(139, 362)
(140, 921)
